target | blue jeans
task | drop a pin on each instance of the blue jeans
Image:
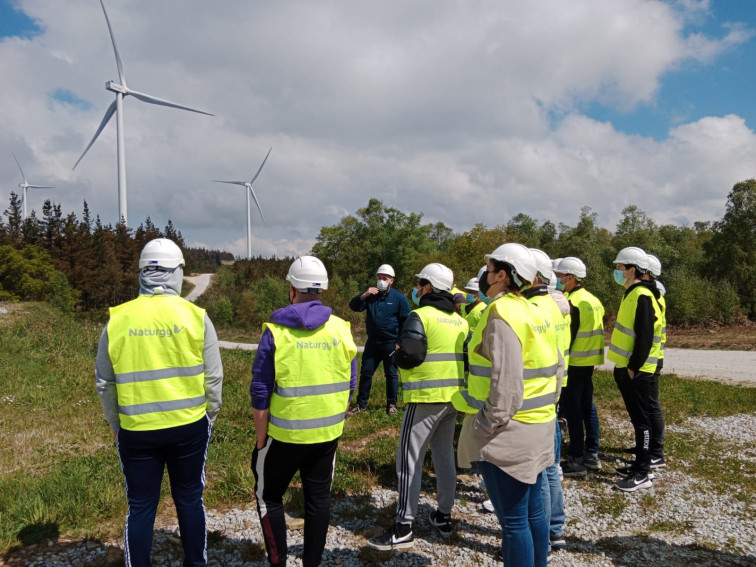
(144, 455)
(551, 491)
(374, 354)
(518, 506)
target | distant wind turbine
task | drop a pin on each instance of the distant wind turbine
(250, 191)
(121, 90)
(25, 185)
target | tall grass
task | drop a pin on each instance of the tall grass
(59, 473)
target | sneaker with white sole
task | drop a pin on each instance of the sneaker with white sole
(634, 481)
(557, 542)
(573, 469)
(398, 536)
(442, 522)
(658, 463)
(624, 471)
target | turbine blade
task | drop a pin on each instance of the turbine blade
(41, 187)
(154, 100)
(258, 204)
(108, 114)
(242, 183)
(259, 170)
(19, 167)
(121, 77)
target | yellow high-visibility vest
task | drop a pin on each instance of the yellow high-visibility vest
(155, 343)
(623, 334)
(443, 371)
(540, 361)
(588, 347)
(474, 315)
(663, 308)
(561, 322)
(313, 371)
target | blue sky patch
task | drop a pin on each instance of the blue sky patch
(67, 97)
(14, 23)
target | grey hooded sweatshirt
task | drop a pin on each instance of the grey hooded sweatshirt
(158, 282)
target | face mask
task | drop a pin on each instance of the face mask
(483, 297)
(415, 298)
(559, 284)
(470, 298)
(619, 277)
(483, 285)
(382, 285)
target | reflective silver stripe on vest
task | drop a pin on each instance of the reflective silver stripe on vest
(147, 375)
(586, 353)
(151, 407)
(427, 384)
(472, 402)
(617, 350)
(652, 360)
(300, 424)
(545, 372)
(566, 353)
(588, 334)
(477, 370)
(539, 402)
(444, 357)
(624, 329)
(318, 390)
(657, 339)
(664, 330)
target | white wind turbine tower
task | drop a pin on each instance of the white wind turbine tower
(250, 191)
(25, 185)
(121, 90)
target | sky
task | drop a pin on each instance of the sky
(466, 111)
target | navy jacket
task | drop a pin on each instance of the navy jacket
(386, 314)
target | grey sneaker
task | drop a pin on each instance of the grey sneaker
(573, 469)
(391, 410)
(355, 410)
(442, 522)
(398, 536)
(591, 461)
(557, 542)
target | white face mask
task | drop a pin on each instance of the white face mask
(382, 285)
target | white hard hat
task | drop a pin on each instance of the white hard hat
(161, 253)
(654, 265)
(386, 270)
(571, 265)
(555, 263)
(634, 256)
(517, 256)
(543, 264)
(439, 276)
(472, 285)
(307, 272)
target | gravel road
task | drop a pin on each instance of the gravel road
(201, 283)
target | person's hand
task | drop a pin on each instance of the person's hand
(630, 373)
(370, 291)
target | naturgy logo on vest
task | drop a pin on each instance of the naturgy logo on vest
(325, 345)
(162, 333)
(541, 329)
(449, 321)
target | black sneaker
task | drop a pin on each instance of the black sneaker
(591, 461)
(398, 536)
(391, 410)
(624, 471)
(658, 463)
(634, 481)
(442, 522)
(571, 469)
(557, 542)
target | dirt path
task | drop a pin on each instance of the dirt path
(201, 283)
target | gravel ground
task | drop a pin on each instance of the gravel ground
(679, 522)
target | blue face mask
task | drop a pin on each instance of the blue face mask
(484, 298)
(415, 298)
(559, 284)
(619, 277)
(470, 298)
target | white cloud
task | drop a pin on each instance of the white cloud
(440, 107)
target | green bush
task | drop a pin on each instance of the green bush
(61, 295)
(224, 312)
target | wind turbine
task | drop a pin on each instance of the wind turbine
(250, 191)
(25, 185)
(121, 90)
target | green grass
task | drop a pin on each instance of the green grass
(59, 473)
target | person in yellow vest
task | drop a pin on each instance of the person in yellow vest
(634, 349)
(475, 307)
(430, 356)
(159, 378)
(586, 352)
(555, 308)
(656, 447)
(515, 378)
(303, 375)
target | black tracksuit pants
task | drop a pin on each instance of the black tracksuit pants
(638, 395)
(273, 467)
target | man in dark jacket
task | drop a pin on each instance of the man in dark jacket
(387, 310)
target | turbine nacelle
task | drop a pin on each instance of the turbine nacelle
(116, 88)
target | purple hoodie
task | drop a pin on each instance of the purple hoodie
(309, 315)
